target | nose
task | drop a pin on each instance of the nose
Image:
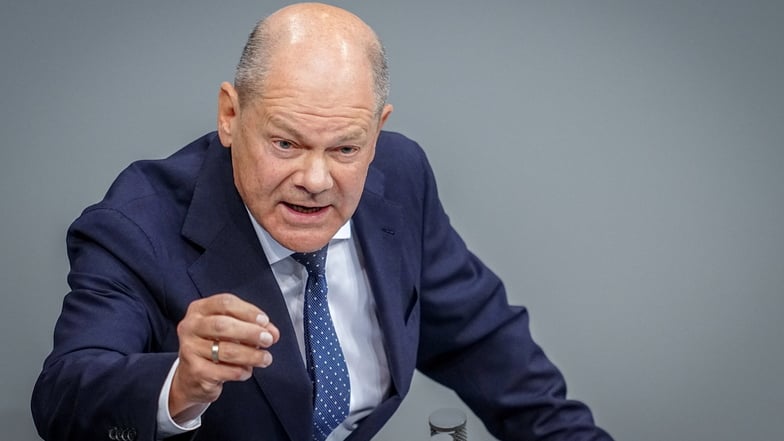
(315, 176)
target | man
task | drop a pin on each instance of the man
(198, 312)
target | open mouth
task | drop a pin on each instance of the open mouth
(303, 209)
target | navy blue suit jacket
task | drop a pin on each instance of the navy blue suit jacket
(172, 231)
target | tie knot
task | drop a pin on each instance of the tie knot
(315, 262)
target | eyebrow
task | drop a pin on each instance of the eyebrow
(281, 124)
(354, 133)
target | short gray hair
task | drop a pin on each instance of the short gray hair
(254, 65)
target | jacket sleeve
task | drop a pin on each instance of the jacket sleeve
(102, 380)
(475, 343)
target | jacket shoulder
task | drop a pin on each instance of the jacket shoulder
(394, 149)
(171, 177)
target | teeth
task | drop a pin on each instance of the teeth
(306, 210)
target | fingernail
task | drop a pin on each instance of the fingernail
(265, 338)
(262, 319)
(266, 359)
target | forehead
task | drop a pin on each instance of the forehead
(322, 71)
(323, 91)
(322, 83)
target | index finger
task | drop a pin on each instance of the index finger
(231, 305)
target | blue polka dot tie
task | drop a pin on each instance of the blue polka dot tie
(326, 365)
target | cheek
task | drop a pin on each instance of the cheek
(352, 183)
(253, 179)
(262, 183)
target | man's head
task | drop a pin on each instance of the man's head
(302, 120)
(270, 33)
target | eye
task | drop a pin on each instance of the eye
(347, 149)
(283, 144)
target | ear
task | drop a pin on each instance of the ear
(385, 112)
(228, 113)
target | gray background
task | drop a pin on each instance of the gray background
(619, 164)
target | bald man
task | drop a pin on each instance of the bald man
(194, 312)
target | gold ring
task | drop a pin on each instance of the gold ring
(215, 349)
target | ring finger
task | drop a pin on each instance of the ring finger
(227, 352)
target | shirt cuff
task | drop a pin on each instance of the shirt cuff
(167, 427)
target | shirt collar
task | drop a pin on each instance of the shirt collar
(276, 252)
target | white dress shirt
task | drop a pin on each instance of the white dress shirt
(353, 311)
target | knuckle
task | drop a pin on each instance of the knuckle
(193, 308)
(225, 301)
(228, 352)
(220, 324)
(182, 328)
(209, 389)
(191, 318)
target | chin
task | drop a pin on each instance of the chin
(305, 242)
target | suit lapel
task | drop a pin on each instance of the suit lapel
(378, 224)
(233, 261)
